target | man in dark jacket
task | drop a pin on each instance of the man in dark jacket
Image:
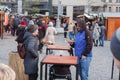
(65, 26)
(41, 34)
(31, 59)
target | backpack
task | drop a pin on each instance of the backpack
(21, 50)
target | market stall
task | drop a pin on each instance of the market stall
(1, 24)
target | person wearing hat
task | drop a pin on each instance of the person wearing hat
(31, 46)
(50, 33)
(20, 32)
(83, 44)
(115, 47)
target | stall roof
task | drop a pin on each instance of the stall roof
(42, 15)
(89, 16)
(111, 14)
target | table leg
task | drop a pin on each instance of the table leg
(112, 69)
(46, 51)
(45, 71)
(77, 72)
(41, 70)
(119, 75)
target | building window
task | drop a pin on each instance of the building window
(116, 9)
(117, 1)
(55, 9)
(110, 1)
(119, 9)
(78, 10)
(110, 9)
(104, 0)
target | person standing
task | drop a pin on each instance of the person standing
(20, 32)
(102, 35)
(83, 48)
(31, 46)
(70, 31)
(41, 35)
(96, 34)
(50, 33)
(65, 26)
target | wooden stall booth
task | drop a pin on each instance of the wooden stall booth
(112, 24)
(16, 63)
(1, 23)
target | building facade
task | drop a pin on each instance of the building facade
(78, 7)
(70, 8)
(9, 3)
(112, 6)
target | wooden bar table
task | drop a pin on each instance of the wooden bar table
(56, 47)
(62, 60)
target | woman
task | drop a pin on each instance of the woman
(96, 34)
(82, 46)
(50, 33)
(31, 59)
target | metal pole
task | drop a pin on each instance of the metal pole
(58, 20)
(19, 6)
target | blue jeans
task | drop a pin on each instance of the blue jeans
(84, 68)
(101, 41)
(71, 35)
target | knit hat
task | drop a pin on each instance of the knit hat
(32, 28)
(23, 23)
(115, 44)
(50, 23)
(31, 22)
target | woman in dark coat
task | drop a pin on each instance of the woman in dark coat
(31, 59)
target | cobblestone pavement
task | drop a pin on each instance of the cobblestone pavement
(100, 68)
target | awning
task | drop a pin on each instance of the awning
(89, 16)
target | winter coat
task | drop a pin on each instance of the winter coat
(83, 44)
(41, 33)
(96, 32)
(31, 59)
(50, 34)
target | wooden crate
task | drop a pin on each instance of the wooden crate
(17, 65)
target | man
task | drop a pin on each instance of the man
(115, 47)
(83, 48)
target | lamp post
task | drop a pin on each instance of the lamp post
(60, 11)
(19, 6)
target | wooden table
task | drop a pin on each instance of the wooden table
(56, 47)
(62, 60)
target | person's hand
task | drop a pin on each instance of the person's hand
(44, 41)
(70, 41)
(83, 57)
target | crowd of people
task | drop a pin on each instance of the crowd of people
(81, 36)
